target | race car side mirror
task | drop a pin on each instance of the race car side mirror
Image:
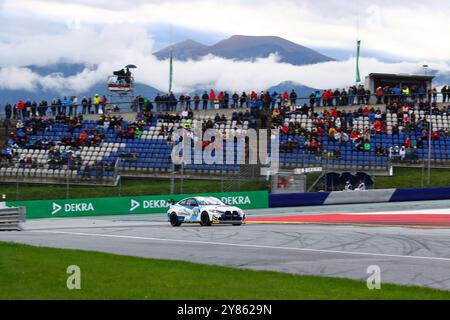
(171, 202)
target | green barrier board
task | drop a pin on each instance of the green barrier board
(130, 205)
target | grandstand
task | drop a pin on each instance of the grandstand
(98, 149)
(368, 139)
(149, 153)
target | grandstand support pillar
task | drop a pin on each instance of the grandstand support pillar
(120, 186)
(429, 146)
(182, 178)
(239, 183)
(172, 180)
(423, 172)
(67, 186)
(17, 186)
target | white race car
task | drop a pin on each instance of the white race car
(206, 211)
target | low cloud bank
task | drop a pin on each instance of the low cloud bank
(114, 46)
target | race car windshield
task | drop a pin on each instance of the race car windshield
(210, 201)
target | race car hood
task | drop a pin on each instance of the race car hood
(222, 208)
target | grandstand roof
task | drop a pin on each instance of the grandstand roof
(400, 76)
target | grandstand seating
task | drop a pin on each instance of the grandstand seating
(150, 153)
(351, 158)
(154, 152)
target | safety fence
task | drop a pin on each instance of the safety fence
(177, 104)
(130, 205)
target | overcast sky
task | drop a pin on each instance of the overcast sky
(108, 33)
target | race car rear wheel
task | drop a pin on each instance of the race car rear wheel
(204, 219)
(174, 220)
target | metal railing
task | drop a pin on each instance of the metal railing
(59, 174)
(11, 218)
(207, 104)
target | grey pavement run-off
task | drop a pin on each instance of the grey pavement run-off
(406, 256)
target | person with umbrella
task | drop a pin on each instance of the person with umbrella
(128, 72)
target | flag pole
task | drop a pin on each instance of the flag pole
(171, 71)
(358, 52)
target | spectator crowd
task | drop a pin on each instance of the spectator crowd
(354, 95)
(262, 110)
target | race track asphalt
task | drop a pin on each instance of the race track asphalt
(408, 256)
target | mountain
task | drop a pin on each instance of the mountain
(240, 47)
(63, 68)
(184, 50)
(301, 90)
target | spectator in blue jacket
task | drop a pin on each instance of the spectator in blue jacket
(65, 102)
(318, 98)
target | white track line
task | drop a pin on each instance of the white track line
(244, 245)
(425, 212)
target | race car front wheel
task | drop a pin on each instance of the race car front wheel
(174, 220)
(204, 219)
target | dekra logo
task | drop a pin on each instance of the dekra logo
(72, 207)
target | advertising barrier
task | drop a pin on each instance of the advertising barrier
(421, 194)
(244, 200)
(358, 197)
(130, 205)
(298, 199)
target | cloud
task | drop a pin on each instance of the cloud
(19, 78)
(13, 78)
(393, 27)
(226, 74)
(109, 48)
(84, 45)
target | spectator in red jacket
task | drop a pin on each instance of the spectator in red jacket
(325, 97)
(380, 93)
(221, 97)
(355, 135)
(408, 143)
(21, 109)
(435, 136)
(334, 113)
(212, 97)
(330, 97)
(378, 126)
(366, 111)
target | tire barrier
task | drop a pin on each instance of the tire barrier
(11, 218)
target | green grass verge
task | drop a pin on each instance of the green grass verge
(129, 187)
(28, 272)
(412, 178)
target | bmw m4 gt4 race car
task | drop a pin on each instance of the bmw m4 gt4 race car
(206, 211)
